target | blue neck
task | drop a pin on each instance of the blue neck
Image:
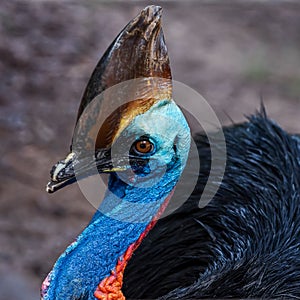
(122, 217)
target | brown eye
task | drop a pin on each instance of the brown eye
(143, 147)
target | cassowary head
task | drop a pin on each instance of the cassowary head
(127, 126)
(131, 89)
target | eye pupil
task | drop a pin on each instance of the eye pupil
(143, 145)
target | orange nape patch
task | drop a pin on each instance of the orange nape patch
(110, 287)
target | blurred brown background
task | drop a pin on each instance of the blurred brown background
(230, 51)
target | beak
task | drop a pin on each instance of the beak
(75, 167)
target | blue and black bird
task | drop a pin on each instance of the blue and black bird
(244, 244)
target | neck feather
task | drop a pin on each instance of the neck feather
(120, 222)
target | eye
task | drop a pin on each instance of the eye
(143, 146)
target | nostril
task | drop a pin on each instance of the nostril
(175, 148)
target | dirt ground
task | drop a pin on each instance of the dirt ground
(232, 52)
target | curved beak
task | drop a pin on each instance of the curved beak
(75, 167)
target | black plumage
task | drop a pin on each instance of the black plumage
(246, 242)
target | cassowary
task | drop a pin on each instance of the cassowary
(244, 244)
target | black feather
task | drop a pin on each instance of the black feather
(246, 242)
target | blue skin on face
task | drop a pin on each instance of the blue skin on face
(127, 208)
